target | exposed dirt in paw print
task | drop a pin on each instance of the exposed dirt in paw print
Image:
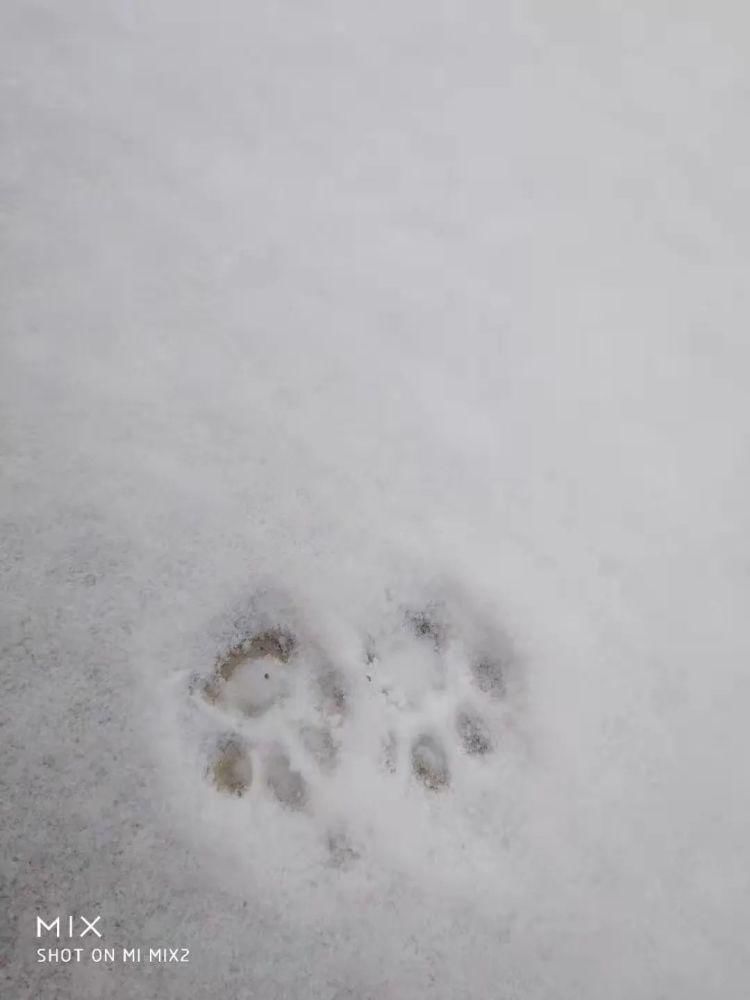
(429, 762)
(489, 674)
(276, 644)
(232, 767)
(428, 623)
(415, 702)
(473, 732)
(251, 675)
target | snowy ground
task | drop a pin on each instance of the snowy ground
(416, 334)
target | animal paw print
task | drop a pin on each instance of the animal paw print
(425, 702)
(249, 684)
(444, 697)
(252, 676)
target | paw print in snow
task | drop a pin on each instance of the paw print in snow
(423, 704)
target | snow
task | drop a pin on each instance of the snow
(329, 316)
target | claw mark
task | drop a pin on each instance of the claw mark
(390, 753)
(371, 653)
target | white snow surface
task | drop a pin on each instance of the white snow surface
(376, 307)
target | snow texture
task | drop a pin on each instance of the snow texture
(375, 490)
